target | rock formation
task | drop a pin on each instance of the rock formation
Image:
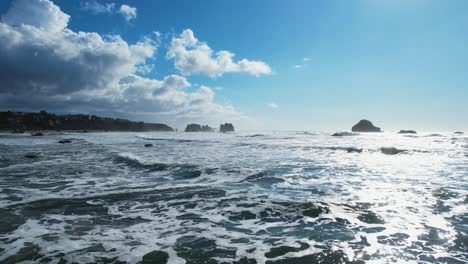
(459, 133)
(198, 128)
(365, 126)
(20, 122)
(344, 134)
(407, 132)
(227, 127)
(392, 150)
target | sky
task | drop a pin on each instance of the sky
(264, 64)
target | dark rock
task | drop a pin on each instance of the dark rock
(352, 149)
(65, 141)
(227, 127)
(37, 134)
(207, 128)
(392, 150)
(193, 128)
(365, 126)
(155, 257)
(459, 133)
(198, 128)
(344, 134)
(407, 132)
(148, 145)
(31, 156)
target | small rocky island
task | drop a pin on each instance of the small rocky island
(227, 127)
(198, 128)
(407, 132)
(365, 126)
(21, 121)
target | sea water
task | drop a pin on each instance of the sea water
(247, 197)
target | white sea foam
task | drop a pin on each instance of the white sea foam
(108, 196)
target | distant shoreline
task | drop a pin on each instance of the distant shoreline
(20, 122)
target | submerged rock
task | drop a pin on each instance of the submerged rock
(155, 257)
(365, 126)
(344, 134)
(37, 134)
(407, 132)
(392, 150)
(148, 145)
(65, 141)
(227, 127)
(31, 156)
(352, 149)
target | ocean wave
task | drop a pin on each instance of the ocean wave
(175, 140)
(137, 162)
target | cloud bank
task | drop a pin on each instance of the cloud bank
(194, 57)
(46, 65)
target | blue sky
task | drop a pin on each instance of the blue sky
(401, 64)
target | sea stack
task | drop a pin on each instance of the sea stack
(365, 126)
(227, 127)
(198, 128)
(193, 128)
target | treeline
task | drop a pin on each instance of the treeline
(21, 121)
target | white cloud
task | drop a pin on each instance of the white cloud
(194, 57)
(297, 66)
(45, 65)
(41, 14)
(128, 12)
(306, 59)
(97, 8)
(273, 105)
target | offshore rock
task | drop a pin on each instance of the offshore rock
(198, 128)
(344, 134)
(227, 127)
(392, 151)
(407, 132)
(365, 126)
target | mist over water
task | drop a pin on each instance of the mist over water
(251, 197)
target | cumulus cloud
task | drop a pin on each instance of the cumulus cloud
(40, 14)
(98, 8)
(194, 57)
(45, 65)
(128, 12)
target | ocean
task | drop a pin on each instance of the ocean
(244, 197)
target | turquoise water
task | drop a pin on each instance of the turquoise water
(251, 197)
